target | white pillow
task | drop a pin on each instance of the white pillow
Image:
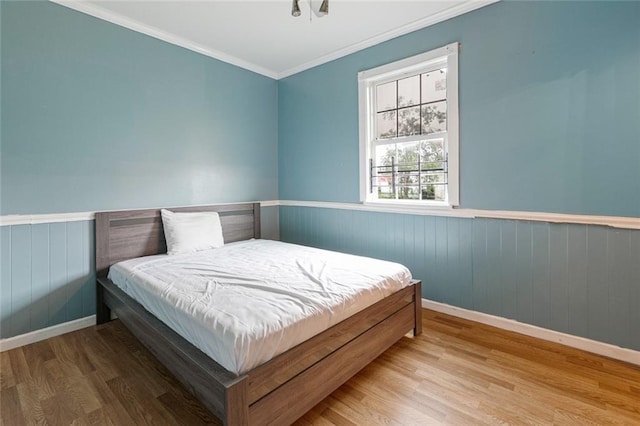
(191, 232)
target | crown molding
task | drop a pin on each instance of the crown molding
(115, 18)
(134, 25)
(441, 16)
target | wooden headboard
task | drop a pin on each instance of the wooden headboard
(122, 235)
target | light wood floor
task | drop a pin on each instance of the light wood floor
(457, 372)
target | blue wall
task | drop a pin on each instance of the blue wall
(549, 110)
(550, 122)
(98, 117)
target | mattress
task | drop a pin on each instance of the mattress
(247, 302)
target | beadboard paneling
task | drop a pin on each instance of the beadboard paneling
(48, 272)
(5, 279)
(48, 275)
(578, 279)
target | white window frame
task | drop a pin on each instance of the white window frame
(367, 81)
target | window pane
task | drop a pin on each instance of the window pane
(386, 126)
(384, 178)
(409, 91)
(384, 154)
(433, 186)
(433, 192)
(428, 192)
(434, 117)
(420, 171)
(409, 121)
(432, 152)
(385, 192)
(386, 96)
(434, 86)
(407, 171)
(408, 156)
(408, 192)
(440, 191)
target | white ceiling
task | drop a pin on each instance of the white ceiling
(262, 36)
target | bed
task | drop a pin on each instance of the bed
(278, 391)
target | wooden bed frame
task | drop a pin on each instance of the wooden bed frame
(277, 392)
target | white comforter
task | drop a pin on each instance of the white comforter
(247, 302)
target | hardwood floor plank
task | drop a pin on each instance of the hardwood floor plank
(99, 388)
(180, 410)
(30, 403)
(36, 355)
(456, 373)
(336, 418)
(566, 417)
(142, 407)
(59, 375)
(82, 391)
(151, 379)
(102, 357)
(19, 365)
(99, 417)
(70, 353)
(363, 413)
(125, 397)
(42, 386)
(7, 379)
(560, 400)
(406, 399)
(10, 408)
(118, 415)
(60, 410)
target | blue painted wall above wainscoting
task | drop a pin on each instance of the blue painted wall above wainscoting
(577, 279)
(549, 110)
(99, 117)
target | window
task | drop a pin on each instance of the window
(409, 130)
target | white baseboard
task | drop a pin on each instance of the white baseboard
(600, 348)
(45, 333)
(593, 346)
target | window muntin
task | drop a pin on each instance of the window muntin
(412, 105)
(408, 113)
(410, 171)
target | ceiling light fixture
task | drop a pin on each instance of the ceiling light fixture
(324, 7)
(295, 9)
(319, 8)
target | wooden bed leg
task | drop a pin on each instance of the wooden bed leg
(418, 305)
(103, 313)
(237, 404)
